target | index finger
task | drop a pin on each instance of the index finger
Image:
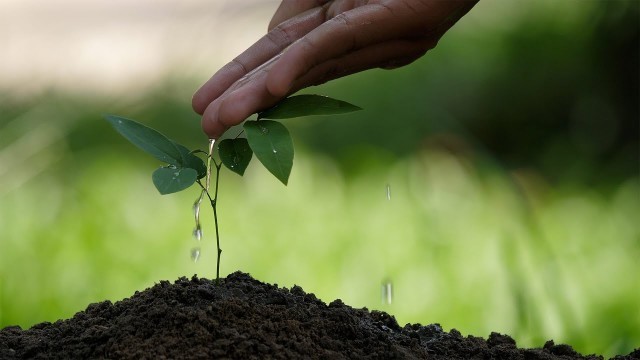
(264, 49)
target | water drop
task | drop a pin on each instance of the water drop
(196, 207)
(388, 192)
(208, 179)
(264, 130)
(275, 151)
(197, 232)
(195, 254)
(387, 292)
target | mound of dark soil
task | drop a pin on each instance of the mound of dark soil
(242, 318)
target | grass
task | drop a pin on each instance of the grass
(461, 245)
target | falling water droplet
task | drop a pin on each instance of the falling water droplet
(388, 192)
(196, 208)
(387, 292)
(197, 232)
(195, 254)
(208, 179)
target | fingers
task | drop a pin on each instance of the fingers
(250, 93)
(353, 40)
(235, 108)
(264, 49)
(388, 55)
(244, 98)
(331, 39)
(352, 30)
(291, 8)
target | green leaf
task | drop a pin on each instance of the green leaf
(272, 144)
(190, 160)
(147, 139)
(306, 105)
(170, 180)
(235, 154)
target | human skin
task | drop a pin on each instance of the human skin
(310, 42)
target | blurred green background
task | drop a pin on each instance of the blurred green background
(511, 153)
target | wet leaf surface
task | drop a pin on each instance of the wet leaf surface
(235, 154)
(272, 144)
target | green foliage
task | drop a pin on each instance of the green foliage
(306, 105)
(171, 179)
(235, 154)
(184, 167)
(271, 142)
(147, 139)
(189, 160)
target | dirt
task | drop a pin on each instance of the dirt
(242, 318)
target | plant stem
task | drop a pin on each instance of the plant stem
(214, 203)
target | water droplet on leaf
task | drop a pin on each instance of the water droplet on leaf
(275, 151)
(264, 130)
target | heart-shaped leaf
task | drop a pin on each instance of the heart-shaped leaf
(189, 160)
(306, 105)
(147, 139)
(235, 154)
(170, 180)
(272, 144)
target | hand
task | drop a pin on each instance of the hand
(313, 41)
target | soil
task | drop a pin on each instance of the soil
(242, 318)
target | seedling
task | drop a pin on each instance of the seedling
(269, 140)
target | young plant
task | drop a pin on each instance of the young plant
(269, 140)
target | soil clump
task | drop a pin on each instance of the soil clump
(242, 318)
